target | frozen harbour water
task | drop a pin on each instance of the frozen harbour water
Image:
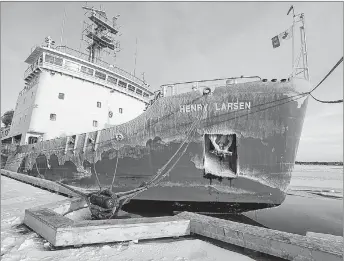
(325, 179)
(20, 243)
(314, 203)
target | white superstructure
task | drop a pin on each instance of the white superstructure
(68, 92)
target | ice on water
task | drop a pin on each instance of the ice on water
(318, 180)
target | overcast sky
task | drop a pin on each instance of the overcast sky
(180, 41)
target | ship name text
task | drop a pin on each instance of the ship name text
(230, 106)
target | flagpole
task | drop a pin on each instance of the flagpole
(292, 48)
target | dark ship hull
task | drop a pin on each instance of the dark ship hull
(259, 122)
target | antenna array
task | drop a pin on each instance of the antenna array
(99, 34)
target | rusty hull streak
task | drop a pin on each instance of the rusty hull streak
(267, 143)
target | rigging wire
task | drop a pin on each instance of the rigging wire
(327, 75)
(63, 25)
(292, 98)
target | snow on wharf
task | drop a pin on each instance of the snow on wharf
(20, 243)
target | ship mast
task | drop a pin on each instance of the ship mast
(100, 34)
(296, 67)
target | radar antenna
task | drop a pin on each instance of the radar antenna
(99, 34)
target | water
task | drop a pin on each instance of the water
(317, 178)
(314, 203)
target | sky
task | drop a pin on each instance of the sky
(182, 41)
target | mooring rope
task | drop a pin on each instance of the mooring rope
(337, 101)
(327, 75)
(114, 175)
(95, 171)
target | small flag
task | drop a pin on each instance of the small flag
(286, 35)
(278, 39)
(275, 42)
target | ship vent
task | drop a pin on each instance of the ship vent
(220, 155)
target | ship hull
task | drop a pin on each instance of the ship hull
(263, 121)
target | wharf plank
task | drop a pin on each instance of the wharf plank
(281, 244)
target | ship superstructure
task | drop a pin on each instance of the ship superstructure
(68, 92)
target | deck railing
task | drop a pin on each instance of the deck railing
(121, 72)
(181, 87)
(83, 56)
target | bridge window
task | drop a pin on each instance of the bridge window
(99, 104)
(131, 88)
(53, 60)
(112, 80)
(138, 91)
(49, 58)
(120, 110)
(58, 61)
(86, 70)
(95, 123)
(72, 66)
(145, 94)
(100, 75)
(61, 96)
(53, 117)
(122, 84)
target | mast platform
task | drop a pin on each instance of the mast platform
(102, 41)
(101, 23)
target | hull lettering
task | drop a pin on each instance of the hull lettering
(230, 106)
